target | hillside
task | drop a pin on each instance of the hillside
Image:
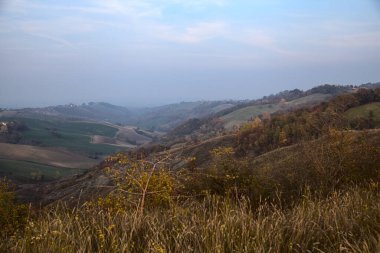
(237, 115)
(161, 118)
(206, 121)
(241, 116)
(257, 140)
(95, 111)
(167, 117)
(233, 118)
(36, 150)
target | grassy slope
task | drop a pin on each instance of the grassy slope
(242, 115)
(364, 110)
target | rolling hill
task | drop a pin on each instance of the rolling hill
(35, 150)
(83, 130)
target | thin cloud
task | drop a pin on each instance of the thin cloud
(57, 40)
(111, 7)
(200, 3)
(353, 41)
(257, 38)
(193, 34)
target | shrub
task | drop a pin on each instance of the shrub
(141, 183)
(13, 216)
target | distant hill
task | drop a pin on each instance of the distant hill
(196, 129)
(168, 117)
(162, 118)
(94, 111)
(236, 116)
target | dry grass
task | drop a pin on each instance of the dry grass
(322, 197)
(345, 221)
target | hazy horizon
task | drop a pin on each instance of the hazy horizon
(152, 105)
(148, 53)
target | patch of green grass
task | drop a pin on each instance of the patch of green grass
(250, 112)
(31, 172)
(364, 111)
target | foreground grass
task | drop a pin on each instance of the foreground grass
(345, 221)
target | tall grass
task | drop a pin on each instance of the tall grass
(321, 197)
(345, 221)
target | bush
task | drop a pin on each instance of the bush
(140, 183)
(13, 216)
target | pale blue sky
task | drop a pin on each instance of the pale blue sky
(149, 52)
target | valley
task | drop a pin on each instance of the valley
(290, 156)
(80, 136)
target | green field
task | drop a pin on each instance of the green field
(33, 172)
(364, 111)
(75, 136)
(242, 115)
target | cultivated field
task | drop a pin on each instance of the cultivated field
(26, 163)
(45, 155)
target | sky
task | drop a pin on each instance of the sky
(154, 52)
